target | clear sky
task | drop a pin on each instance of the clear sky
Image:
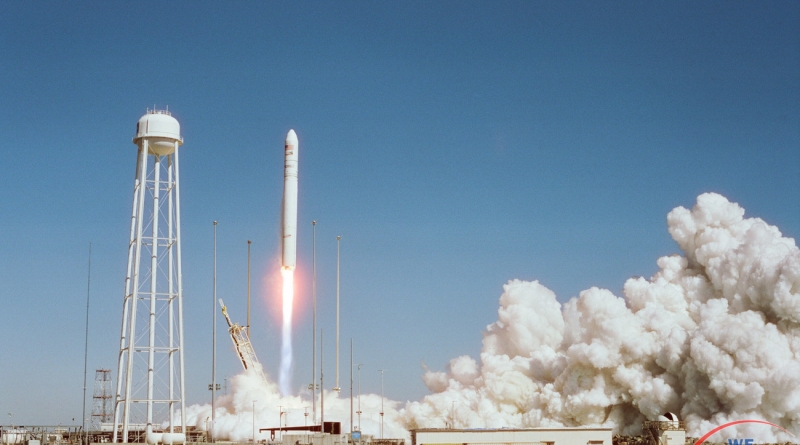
(453, 145)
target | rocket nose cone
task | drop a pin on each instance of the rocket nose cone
(291, 138)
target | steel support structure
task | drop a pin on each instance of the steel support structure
(150, 383)
(101, 399)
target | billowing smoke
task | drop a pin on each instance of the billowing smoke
(236, 419)
(714, 336)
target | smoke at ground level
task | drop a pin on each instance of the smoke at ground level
(713, 336)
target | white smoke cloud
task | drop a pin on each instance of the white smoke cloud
(235, 416)
(714, 336)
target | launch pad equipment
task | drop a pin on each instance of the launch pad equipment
(242, 344)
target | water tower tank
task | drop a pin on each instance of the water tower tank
(160, 130)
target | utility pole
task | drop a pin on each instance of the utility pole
(351, 385)
(86, 346)
(214, 340)
(337, 388)
(381, 371)
(322, 378)
(314, 322)
(359, 396)
(248, 288)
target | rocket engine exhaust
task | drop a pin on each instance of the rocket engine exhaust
(285, 376)
(288, 256)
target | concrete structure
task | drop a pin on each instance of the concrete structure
(506, 436)
(313, 438)
(667, 430)
(317, 438)
(150, 387)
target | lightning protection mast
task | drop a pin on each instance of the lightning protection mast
(150, 386)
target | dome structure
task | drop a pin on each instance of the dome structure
(668, 417)
(160, 130)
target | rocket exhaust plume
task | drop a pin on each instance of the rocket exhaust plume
(285, 378)
(288, 257)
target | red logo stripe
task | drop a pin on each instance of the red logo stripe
(736, 422)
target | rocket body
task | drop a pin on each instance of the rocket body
(289, 211)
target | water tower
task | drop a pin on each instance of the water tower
(150, 385)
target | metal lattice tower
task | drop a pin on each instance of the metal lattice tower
(150, 386)
(101, 398)
(241, 342)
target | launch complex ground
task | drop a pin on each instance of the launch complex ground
(653, 433)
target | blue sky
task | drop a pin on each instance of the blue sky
(453, 145)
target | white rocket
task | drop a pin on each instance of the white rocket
(290, 201)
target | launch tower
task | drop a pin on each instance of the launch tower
(241, 342)
(150, 385)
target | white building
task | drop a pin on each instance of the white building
(511, 436)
